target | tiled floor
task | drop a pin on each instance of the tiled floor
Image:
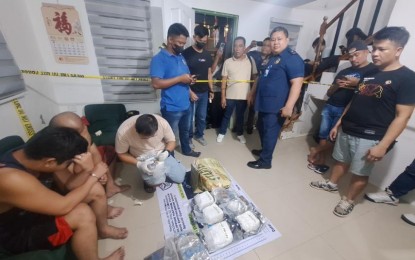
(302, 214)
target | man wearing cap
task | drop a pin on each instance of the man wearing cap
(376, 116)
(340, 93)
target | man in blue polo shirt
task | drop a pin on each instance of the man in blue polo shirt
(170, 73)
(278, 89)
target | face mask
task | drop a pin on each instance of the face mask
(178, 49)
(200, 45)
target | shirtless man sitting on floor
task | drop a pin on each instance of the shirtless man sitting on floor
(75, 175)
(34, 217)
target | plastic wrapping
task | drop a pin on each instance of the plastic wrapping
(224, 217)
(217, 236)
(186, 246)
(251, 222)
(248, 221)
(208, 216)
(148, 155)
(222, 195)
(153, 170)
(234, 207)
(207, 174)
(202, 200)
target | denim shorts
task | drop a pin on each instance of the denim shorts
(329, 117)
(353, 151)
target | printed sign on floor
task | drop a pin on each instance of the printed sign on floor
(176, 218)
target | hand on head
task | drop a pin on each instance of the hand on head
(84, 161)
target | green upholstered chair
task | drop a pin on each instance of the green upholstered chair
(104, 120)
(61, 253)
(10, 142)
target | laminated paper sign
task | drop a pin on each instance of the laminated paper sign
(65, 33)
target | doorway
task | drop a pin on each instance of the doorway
(222, 28)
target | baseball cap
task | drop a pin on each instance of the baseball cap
(357, 45)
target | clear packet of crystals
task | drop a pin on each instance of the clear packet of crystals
(217, 236)
(222, 195)
(185, 246)
(250, 222)
(202, 200)
(234, 207)
(209, 215)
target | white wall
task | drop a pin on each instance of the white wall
(332, 7)
(404, 152)
(21, 23)
(27, 38)
(23, 28)
(254, 17)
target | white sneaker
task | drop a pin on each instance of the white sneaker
(382, 197)
(220, 137)
(241, 139)
(409, 218)
(192, 146)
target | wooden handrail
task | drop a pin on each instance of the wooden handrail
(323, 28)
(341, 12)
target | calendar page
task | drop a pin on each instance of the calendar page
(65, 33)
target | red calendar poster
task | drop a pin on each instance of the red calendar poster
(65, 33)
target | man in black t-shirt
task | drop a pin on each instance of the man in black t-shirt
(340, 93)
(199, 62)
(376, 116)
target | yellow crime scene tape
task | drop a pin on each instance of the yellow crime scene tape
(24, 120)
(27, 126)
(73, 75)
(141, 79)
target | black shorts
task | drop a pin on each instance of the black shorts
(29, 231)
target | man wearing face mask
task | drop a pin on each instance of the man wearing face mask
(170, 73)
(200, 62)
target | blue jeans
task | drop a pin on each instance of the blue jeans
(269, 126)
(198, 110)
(405, 182)
(329, 117)
(179, 121)
(240, 106)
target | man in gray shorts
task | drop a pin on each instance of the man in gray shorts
(376, 116)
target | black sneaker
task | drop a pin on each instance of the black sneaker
(258, 165)
(318, 168)
(193, 154)
(321, 168)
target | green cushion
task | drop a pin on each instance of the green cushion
(10, 142)
(104, 118)
(61, 253)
